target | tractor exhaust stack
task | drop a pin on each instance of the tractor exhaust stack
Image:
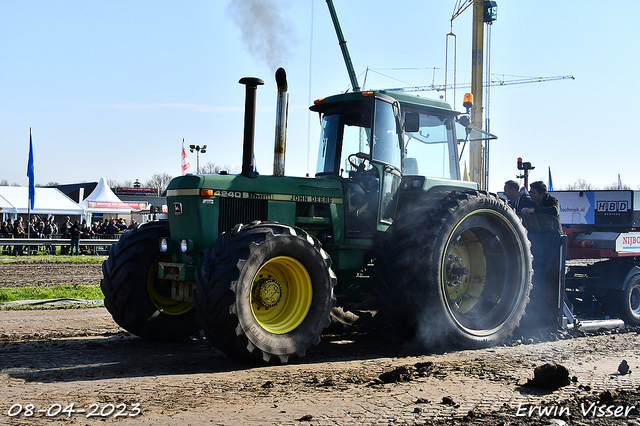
(282, 115)
(252, 84)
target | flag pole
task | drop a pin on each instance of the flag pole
(30, 174)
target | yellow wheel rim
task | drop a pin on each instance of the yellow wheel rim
(160, 292)
(281, 294)
(465, 272)
(480, 294)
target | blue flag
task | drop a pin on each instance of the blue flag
(550, 181)
(32, 183)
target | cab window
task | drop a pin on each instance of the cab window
(431, 150)
(386, 144)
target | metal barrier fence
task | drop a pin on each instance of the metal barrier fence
(97, 245)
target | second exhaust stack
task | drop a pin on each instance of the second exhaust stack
(252, 84)
(282, 115)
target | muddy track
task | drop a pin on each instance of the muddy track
(48, 273)
(64, 356)
(52, 358)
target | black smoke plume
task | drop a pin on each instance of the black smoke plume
(266, 32)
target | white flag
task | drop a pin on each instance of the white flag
(185, 160)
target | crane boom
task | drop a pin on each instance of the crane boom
(494, 82)
(461, 6)
(343, 46)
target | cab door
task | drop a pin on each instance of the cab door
(387, 156)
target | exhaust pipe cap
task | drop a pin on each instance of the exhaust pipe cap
(251, 81)
(281, 80)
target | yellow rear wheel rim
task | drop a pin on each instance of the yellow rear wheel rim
(476, 303)
(465, 286)
(281, 294)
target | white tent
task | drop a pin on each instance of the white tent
(14, 200)
(102, 200)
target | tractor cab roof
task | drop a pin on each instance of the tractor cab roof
(403, 98)
(406, 100)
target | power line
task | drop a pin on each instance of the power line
(495, 81)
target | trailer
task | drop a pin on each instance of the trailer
(602, 230)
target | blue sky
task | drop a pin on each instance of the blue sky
(110, 89)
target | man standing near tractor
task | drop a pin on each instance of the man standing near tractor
(546, 212)
(517, 198)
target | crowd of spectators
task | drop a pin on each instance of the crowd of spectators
(39, 227)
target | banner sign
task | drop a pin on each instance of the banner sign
(124, 190)
(595, 207)
(117, 205)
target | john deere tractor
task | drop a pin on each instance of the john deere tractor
(258, 261)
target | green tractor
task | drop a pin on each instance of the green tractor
(258, 262)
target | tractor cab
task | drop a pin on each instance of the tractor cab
(372, 139)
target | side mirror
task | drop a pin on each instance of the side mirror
(412, 122)
(464, 120)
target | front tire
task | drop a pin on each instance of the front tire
(457, 274)
(137, 299)
(265, 292)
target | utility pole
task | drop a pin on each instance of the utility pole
(476, 149)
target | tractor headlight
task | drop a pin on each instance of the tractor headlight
(164, 244)
(184, 245)
(414, 182)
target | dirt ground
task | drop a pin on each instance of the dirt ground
(48, 273)
(76, 366)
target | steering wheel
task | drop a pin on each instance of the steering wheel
(360, 155)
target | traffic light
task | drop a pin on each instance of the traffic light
(524, 166)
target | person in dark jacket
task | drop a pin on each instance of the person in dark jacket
(18, 232)
(6, 231)
(517, 197)
(75, 238)
(65, 230)
(111, 229)
(546, 213)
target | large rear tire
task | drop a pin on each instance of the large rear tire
(265, 292)
(457, 274)
(138, 301)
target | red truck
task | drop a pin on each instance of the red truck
(602, 252)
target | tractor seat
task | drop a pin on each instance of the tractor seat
(411, 166)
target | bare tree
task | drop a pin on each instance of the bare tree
(112, 183)
(613, 186)
(212, 168)
(581, 185)
(160, 181)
